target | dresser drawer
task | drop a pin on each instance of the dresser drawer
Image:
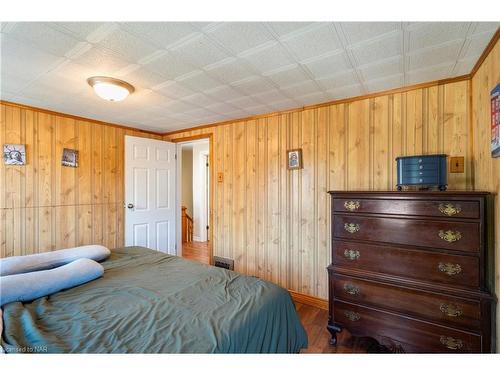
(451, 310)
(414, 335)
(438, 208)
(452, 235)
(429, 266)
(421, 167)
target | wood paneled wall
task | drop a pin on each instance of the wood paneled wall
(275, 223)
(44, 206)
(486, 168)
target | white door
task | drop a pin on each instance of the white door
(150, 194)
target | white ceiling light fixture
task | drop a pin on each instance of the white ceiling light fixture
(111, 89)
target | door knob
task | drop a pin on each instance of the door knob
(130, 205)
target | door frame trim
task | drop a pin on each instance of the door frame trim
(178, 141)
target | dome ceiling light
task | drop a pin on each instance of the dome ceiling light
(111, 89)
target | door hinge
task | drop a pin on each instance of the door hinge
(208, 227)
(175, 156)
(207, 164)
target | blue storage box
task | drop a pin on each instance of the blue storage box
(422, 170)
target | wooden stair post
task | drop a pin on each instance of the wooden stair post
(187, 226)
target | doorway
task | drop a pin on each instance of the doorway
(195, 198)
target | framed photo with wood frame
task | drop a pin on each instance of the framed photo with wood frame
(294, 158)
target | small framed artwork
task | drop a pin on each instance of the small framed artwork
(69, 158)
(14, 154)
(495, 122)
(294, 158)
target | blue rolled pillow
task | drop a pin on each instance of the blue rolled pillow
(51, 259)
(29, 286)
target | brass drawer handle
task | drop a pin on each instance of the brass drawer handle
(449, 268)
(451, 309)
(351, 227)
(351, 289)
(451, 343)
(351, 254)
(351, 205)
(352, 316)
(449, 209)
(450, 235)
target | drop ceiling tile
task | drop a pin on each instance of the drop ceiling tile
(381, 69)
(301, 89)
(257, 110)
(182, 117)
(389, 45)
(244, 102)
(229, 70)
(436, 55)
(200, 113)
(23, 59)
(41, 36)
(240, 36)
(102, 61)
(385, 83)
(314, 98)
(49, 91)
(271, 96)
(345, 92)
(163, 34)
(477, 45)
(13, 83)
(252, 85)
(79, 30)
(222, 108)
(282, 29)
(199, 81)
(357, 32)
(173, 89)
(481, 27)
(429, 73)
(223, 93)
(328, 65)
(200, 51)
(288, 76)
(425, 34)
(347, 78)
(313, 42)
(128, 46)
(142, 78)
(199, 99)
(283, 105)
(464, 66)
(170, 66)
(7, 27)
(272, 57)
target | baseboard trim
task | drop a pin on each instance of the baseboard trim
(306, 299)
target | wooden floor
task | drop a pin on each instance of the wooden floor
(313, 319)
(199, 251)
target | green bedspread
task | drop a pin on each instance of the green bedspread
(149, 302)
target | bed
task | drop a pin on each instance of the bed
(149, 302)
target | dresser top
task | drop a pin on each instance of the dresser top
(412, 194)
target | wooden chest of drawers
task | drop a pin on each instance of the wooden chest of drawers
(412, 270)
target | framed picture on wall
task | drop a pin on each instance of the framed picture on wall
(294, 158)
(14, 154)
(495, 122)
(69, 158)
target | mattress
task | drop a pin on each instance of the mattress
(149, 302)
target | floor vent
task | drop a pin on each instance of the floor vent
(228, 264)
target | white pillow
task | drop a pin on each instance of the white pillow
(51, 259)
